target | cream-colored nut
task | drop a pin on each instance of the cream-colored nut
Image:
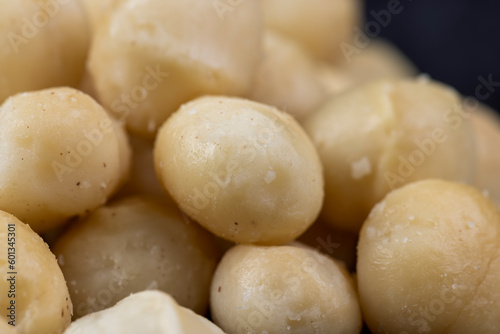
(153, 55)
(63, 156)
(385, 134)
(44, 44)
(133, 245)
(429, 261)
(379, 60)
(320, 26)
(38, 289)
(287, 77)
(98, 11)
(243, 170)
(282, 289)
(5, 328)
(147, 312)
(486, 125)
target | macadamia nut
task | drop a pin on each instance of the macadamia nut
(62, 156)
(133, 245)
(282, 289)
(147, 312)
(429, 261)
(44, 44)
(379, 60)
(487, 130)
(320, 26)
(38, 289)
(98, 11)
(245, 171)
(287, 77)
(151, 56)
(385, 134)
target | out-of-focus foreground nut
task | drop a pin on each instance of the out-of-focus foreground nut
(283, 288)
(243, 170)
(148, 312)
(133, 245)
(153, 55)
(41, 299)
(385, 134)
(44, 44)
(62, 156)
(429, 261)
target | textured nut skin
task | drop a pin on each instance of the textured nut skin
(132, 245)
(429, 261)
(63, 156)
(42, 300)
(44, 45)
(283, 288)
(147, 312)
(385, 134)
(153, 55)
(245, 171)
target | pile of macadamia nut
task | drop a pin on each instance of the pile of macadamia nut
(239, 167)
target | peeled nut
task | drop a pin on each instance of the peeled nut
(287, 77)
(385, 134)
(320, 26)
(44, 44)
(487, 130)
(151, 56)
(98, 11)
(379, 60)
(283, 289)
(133, 245)
(148, 312)
(245, 171)
(63, 156)
(38, 289)
(429, 261)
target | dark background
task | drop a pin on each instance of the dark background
(454, 41)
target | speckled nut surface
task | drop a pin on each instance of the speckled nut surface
(44, 44)
(429, 261)
(62, 156)
(281, 289)
(148, 312)
(487, 130)
(133, 245)
(287, 78)
(385, 134)
(245, 171)
(320, 26)
(151, 56)
(39, 291)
